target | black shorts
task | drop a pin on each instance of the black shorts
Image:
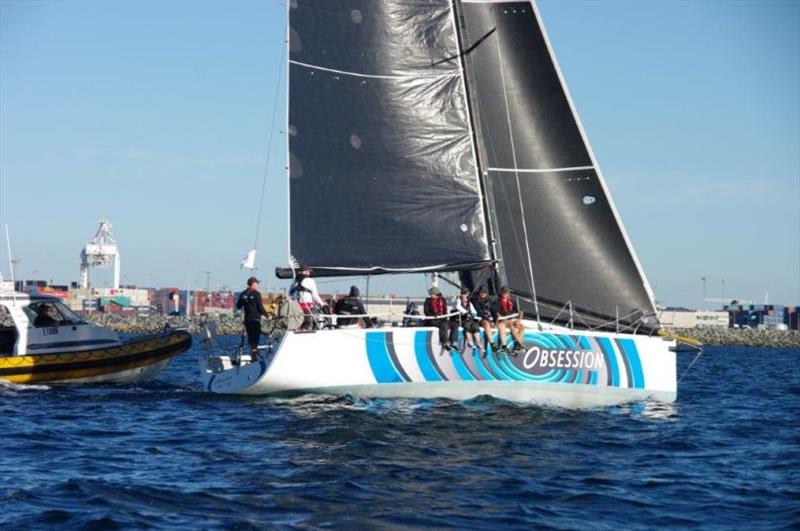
(471, 326)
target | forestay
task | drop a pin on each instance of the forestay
(383, 173)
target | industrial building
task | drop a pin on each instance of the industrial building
(686, 318)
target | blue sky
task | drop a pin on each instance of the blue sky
(156, 116)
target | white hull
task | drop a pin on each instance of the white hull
(562, 367)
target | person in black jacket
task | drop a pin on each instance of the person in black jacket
(483, 306)
(435, 306)
(250, 301)
(351, 305)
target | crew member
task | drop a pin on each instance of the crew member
(507, 317)
(351, 305)
(250, 302)
(435, 306)
(483, 306)
(468, 318)
(304, 291)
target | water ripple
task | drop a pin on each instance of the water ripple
(168, 455)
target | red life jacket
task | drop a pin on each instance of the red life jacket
(438, 306)
(506, 306)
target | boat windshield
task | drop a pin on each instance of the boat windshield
(51, 313)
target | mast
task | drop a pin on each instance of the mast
(488, 209)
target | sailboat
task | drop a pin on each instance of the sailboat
(439, 136)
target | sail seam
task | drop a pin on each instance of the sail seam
(542, 170)
(373, 76)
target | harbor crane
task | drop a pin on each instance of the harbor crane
(101, 252)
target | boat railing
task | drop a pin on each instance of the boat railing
(565, 315)
(619, 322)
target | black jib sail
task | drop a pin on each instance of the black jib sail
(560, 241)
(383, 174)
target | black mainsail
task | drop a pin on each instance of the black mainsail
(439, 135)
(382, 167)
(560, 240)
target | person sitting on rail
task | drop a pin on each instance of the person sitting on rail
(507, 316)
(411, 309)
(483, 306)
(468, 319)
(351, 305)
(435, 306)
(304, 291)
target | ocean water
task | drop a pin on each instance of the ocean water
(167, 455)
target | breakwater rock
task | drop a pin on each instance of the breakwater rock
(226, 324)
(742, 336)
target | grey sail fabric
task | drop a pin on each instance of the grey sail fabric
(557, 233)
(382, 169)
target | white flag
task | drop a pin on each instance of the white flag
(249, 261)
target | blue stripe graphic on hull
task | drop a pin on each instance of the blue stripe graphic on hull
(421, 353)
(483, 370)
(611, 360)
(393, 357)
(629, 350)
(517, 374)
(461, 369)
(379, 361)
(568, 341)
(554, 340)
(495, 368)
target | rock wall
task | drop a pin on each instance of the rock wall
(742, 336)
(233, 325)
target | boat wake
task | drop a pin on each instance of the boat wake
(9, 388)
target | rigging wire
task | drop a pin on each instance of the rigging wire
(685, 372)
(516, 175)
(269, 142)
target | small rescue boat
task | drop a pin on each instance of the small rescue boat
(43, 341)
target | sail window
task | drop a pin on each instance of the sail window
(356, 16)
(589, 199)
(355, 141)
